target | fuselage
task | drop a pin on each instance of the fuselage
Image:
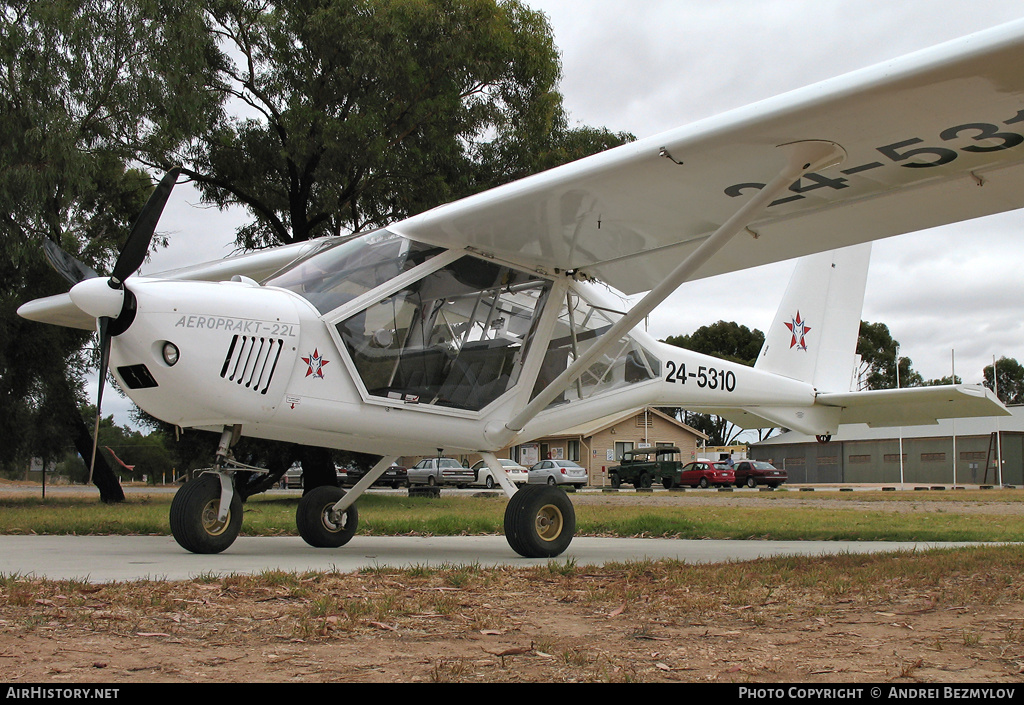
(390, 353)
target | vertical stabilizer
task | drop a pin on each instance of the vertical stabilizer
(814, 335)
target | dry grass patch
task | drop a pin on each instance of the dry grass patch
(950, 615)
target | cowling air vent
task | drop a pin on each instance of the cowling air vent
(251, 361)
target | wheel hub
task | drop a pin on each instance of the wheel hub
(549, 522)
(211, 523)
(333, 521)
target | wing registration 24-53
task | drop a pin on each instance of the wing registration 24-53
(931, 138)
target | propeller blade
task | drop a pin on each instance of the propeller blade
(137, 246)
(66, 265)
(103, 324)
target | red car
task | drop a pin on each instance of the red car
(704, 473)
(758, 472)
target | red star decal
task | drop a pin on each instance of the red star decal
(316, 364)
(799, 329)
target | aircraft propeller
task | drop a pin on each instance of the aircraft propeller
(110, 301)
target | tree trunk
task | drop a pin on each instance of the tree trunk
(317, 468)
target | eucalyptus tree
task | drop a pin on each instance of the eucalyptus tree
(346, 115)
(84, 86)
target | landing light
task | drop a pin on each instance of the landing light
(170, 354)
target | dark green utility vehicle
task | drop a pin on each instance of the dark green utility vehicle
(642, 467)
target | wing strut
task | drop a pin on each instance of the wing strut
(364, 484)
(802, 157)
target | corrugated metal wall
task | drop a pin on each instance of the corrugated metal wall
(925, 460)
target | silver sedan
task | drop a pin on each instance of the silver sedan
(558, 472)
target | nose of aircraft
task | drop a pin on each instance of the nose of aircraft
(98, 298)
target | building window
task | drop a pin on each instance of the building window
(973, 455)
(827, 460)
(894, 457)
(794, 461)
(574, 451)
(932, 457)
(621, 447)
(860, 458)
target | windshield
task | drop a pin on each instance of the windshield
(341, 270)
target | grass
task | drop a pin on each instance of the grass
(753, 516)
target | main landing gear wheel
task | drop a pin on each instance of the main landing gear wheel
(539, 521)
(194, 516)
(316, 523)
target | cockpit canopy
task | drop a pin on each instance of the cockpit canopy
(455, 332)
(456, 336)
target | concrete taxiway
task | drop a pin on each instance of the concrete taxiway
(102, 559)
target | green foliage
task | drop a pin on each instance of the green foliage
(727, 340)
(361, 112)
(83, 85)
(1008, 380)
(878, 351)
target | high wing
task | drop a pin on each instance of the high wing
(932, 138)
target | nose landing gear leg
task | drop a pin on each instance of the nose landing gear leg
(206, 513)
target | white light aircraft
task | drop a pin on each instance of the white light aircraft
(488, 321)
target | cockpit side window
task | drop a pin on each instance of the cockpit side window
(581, 324)
(456, 337)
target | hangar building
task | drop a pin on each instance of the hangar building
(981, 451)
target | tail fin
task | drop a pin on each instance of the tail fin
(814, 335)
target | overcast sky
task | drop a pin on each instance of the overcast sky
(652, 65)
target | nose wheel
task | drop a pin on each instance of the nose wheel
(539, 521)
(195, 516)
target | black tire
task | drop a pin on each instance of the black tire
(193, 516)
(314, 524)
(704, 482)
(616, 483)
(431, 481)
(489, 483)
(645, 480)
(552, 481)
(540, 521)
(751, 483)
(668, 483)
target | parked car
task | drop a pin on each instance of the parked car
(705, 473)
(758, 472)
(517, 474)
(440, 471)
(395, 476)
(558, 472)
(293, 479)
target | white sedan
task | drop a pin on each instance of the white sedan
(517, 474)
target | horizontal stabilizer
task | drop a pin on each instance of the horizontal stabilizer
(915, 406)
